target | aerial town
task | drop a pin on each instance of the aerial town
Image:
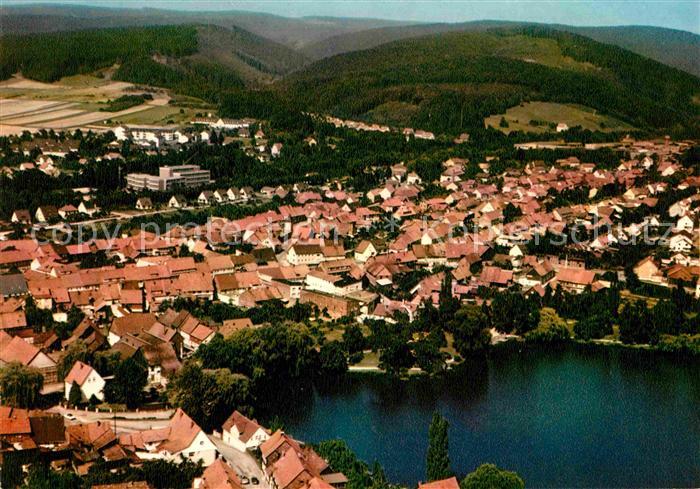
(77, 311)
(320, 245)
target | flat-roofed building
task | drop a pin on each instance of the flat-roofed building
(169, 177)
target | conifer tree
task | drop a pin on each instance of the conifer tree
(438, 460)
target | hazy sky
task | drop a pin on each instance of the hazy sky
(678, 14)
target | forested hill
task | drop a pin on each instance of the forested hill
(675, 48)
(191, 59)
(450, 82)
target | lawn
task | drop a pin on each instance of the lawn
(160, 115)
(524, 117)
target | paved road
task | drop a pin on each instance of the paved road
(243, 463)
(125, 422)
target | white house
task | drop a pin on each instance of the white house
(685, 223)
(680, 243)
(300, 254)
(90, 382)
(21, 216)
(332, 284)
(177, 202)
(413, 179)
(45, 213)
(221, 195)
(242, 433)
(181, 439)
(364, 251)
(144, 204)
(88, 208)
(206, 197)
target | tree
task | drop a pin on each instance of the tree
(551, 329)
(209, 397)
(75, 395)
(42, 477)
(635, 324)
(332, 359)
(667, 317)
(488, 476)
(470, 330)
(448, 302)
(353, 339)
(428, 355)
(342, 459)
(593, 327)
(75, 316)
(438, 458)
(130, 379)
(396, 357)
(511, 213)
(20, 386)
(512, 312)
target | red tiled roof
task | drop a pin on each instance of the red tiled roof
(495, 275)
(245, 426)
(12, 320)
(79, 373)
(450, 483)
(17, 350)
(579, 276)
(220, 476)
(14, 421)
(132, 323)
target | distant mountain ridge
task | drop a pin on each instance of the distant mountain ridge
(319, 37)
(679, 49)
(292, 32)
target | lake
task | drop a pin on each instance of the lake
(577, 417)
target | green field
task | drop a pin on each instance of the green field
(540, 116)
(162, 115)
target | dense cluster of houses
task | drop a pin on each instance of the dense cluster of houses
(344, 253)
(77, 446)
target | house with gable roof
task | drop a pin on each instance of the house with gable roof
(15, 349)
(90, 382)
(181, 439)
(218, 475)
(243, 433)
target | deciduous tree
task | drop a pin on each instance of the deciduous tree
(488, 476)
(20, 386)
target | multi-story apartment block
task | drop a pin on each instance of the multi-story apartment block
(169, 177)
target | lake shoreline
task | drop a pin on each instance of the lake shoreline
(520, 345)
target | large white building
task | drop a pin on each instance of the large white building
(169, 177)
(150, 136)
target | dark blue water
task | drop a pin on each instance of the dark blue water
(573, 418)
